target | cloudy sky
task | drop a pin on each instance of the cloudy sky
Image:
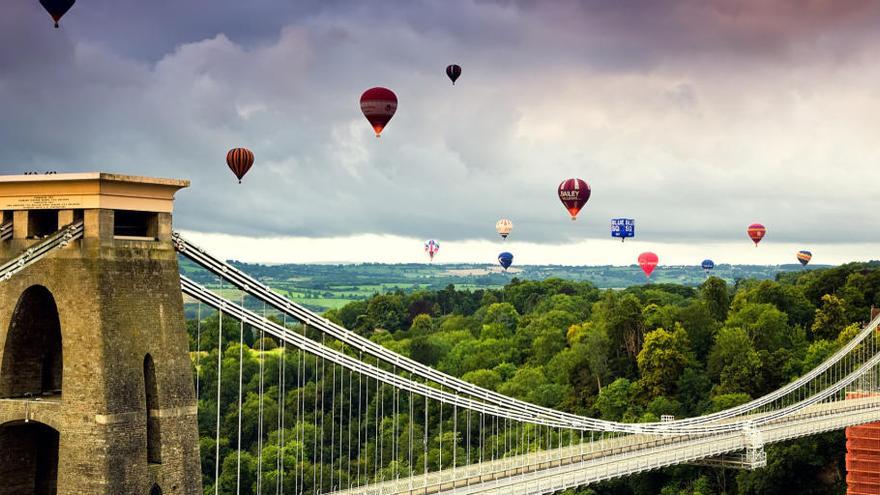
(696, 118)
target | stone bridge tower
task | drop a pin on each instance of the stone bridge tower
(96, 392)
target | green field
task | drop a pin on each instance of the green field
(323, 287)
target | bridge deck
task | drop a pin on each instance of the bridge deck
(567, 467)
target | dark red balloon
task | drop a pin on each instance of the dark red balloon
(378, 105)
(574, 194)
(756, 232)
(240, 160)
(57, 8)
(648, 261)
(453, 72)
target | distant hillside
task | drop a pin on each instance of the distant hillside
(323, 287)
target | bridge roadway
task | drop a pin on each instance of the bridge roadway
(578, 465)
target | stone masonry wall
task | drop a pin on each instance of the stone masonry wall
(117, 301)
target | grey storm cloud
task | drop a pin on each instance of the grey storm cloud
(696, 118)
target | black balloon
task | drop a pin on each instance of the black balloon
(57, 8)
(453, 71)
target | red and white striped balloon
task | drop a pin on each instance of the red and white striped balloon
(239, 160)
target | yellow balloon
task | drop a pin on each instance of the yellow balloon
(504, 226)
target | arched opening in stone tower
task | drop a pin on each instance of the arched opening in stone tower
(151, 390)
(155, 490)
(28, 458)
(32, 356)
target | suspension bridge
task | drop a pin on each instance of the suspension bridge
(444, 435)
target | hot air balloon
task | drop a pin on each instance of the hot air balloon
(453, 72)
(574, 194)
(505, 259)
(756, 232)
(431, 247)
(648, 261)
(378, 105)
(804, 257)
(707, 265)
(240, 160)
(57, 8)
(623, 228)
(504, 226)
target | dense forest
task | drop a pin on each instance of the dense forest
(626, 355)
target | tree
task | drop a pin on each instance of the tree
(661, 406)
(830, 318)
(818, 352)
(544, 335)
(504, 316)
(726, 401)
(422, 303)
(387, 311)
(227, 480)
(614, 400)
(733, 361)
(265, 343)
(742, 375)
(591, 341)
(621, 318)
(659, 316)
(766, 326)
(451, 323)
(786, 298)
(473, 354)
(716, 296)
(579, 306)
(806, 467)
(434, 348)
(861, 291)
(700, 326)
(422, 325)
(693, 390)
(663, 358)
(347, 315)
(524, 383)
(488, 379)
(526, 295)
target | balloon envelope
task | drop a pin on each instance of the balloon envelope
(505, 259)
(239, 160)
(574, 194)
(431, 247)
(707, 265)
(57, 8)
(804, 257)
(648, 261)
(378, 105)
(503, 227)
(756, 232)
(453, 72)
(623, 228)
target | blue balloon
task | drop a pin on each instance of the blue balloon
(505, 259)
(623, 228)
(708, 265)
